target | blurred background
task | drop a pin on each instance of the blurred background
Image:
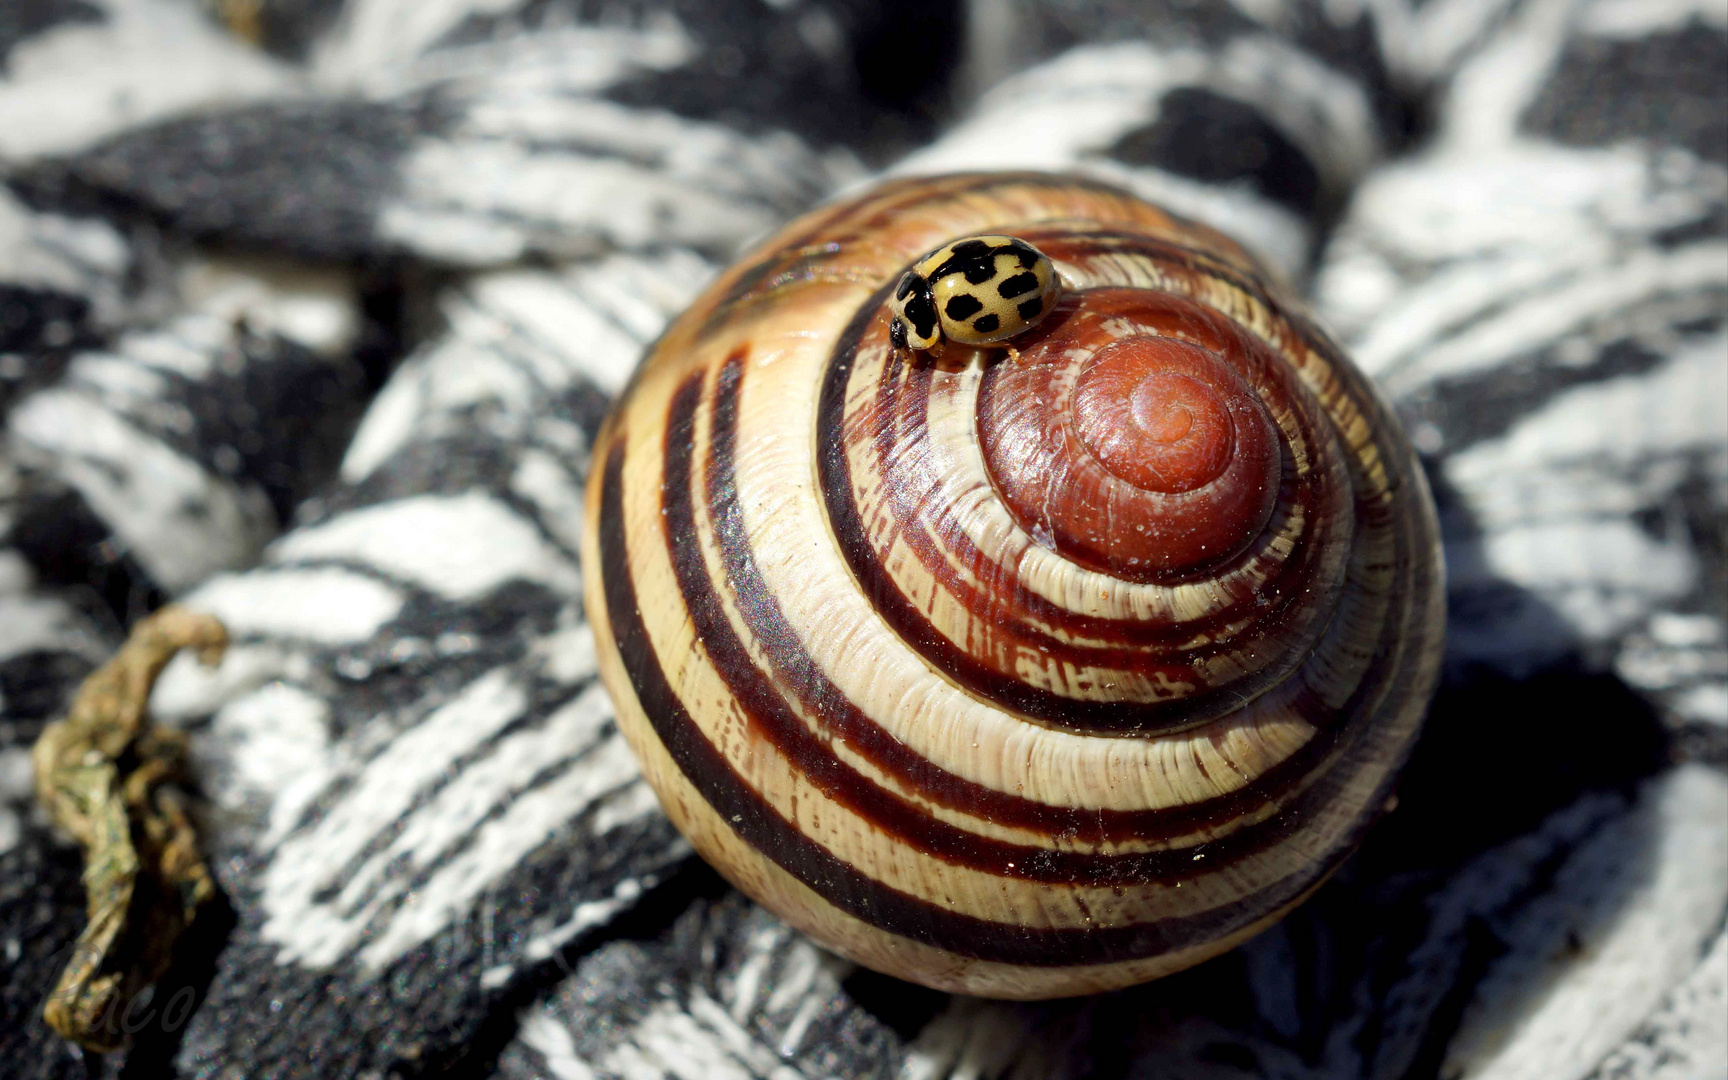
(309, 310)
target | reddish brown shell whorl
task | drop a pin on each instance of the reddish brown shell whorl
(1027, 672)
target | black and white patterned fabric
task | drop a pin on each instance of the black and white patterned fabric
(310, 311)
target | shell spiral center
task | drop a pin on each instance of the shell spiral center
(1127, 449)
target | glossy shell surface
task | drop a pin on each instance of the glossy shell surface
(1016, 675)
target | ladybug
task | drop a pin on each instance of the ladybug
(980, 290)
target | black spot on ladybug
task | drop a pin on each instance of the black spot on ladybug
(1026, 253)
(962, 307)
(986, 324)
(973, 258)
(1009, 288)
(1029, 308)
(921, 313)
(908, 284)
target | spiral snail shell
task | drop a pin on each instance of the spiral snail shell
(1014, 674)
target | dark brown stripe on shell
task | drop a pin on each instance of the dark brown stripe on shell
(1086, 716)
(797, 674)
(838, 882)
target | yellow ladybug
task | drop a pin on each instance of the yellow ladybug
(980, 290)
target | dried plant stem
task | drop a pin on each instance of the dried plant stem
(108, 778)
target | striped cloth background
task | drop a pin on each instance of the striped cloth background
(309, 313)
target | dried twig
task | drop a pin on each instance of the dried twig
(108, 778)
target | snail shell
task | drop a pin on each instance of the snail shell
(1014, 673)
